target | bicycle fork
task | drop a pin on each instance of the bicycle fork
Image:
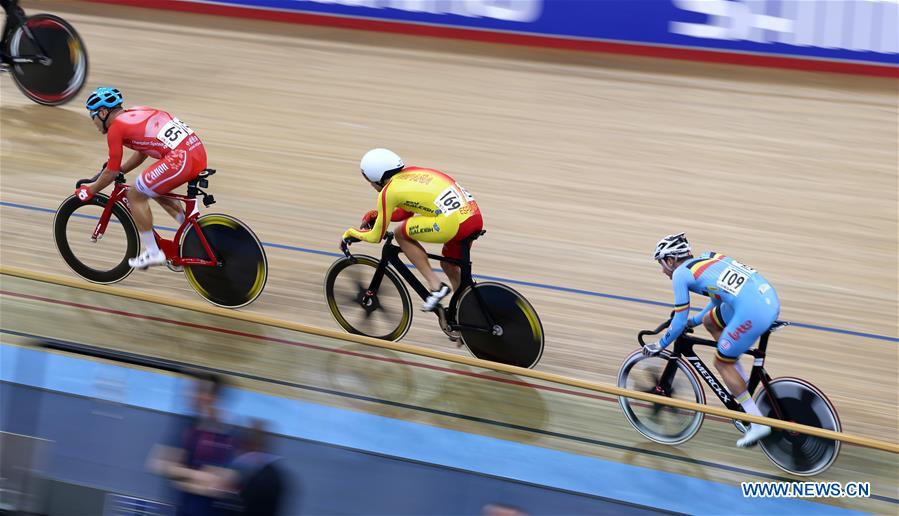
(100, 228)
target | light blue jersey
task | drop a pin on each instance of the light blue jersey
(743, 303)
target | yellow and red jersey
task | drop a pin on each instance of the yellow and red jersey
(427, 193)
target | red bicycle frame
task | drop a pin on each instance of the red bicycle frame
(170, 247)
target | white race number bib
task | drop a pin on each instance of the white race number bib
(451, 199)
(734, 277)
(173, 133)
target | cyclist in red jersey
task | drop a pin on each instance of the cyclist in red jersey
(151, 133)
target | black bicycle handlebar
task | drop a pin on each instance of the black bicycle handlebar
(345, 246)
(93, 179)
(659, 329)
(86, 181)
(656, 331)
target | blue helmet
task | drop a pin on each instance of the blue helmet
(104, 97)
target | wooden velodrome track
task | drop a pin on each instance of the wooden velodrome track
(580, 162)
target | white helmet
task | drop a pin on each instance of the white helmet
(377, 162)
(673, 245)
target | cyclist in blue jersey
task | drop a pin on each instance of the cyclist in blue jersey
(743, 305)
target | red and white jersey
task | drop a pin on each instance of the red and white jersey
(149, 131)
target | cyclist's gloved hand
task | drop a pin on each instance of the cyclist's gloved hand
(83, 193)
(652, 349)
(368, 220)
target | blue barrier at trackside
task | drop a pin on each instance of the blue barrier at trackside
(864, 31)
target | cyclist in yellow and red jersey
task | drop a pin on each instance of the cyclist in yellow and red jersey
(433, 207)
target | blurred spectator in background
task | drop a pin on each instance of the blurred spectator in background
(198, 452)
(500, 509)
(260, 481)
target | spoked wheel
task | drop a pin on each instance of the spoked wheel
(660, 423)
(516, 335)
(103, 261)
(243, 269)
(383, 314)
(801, 402)
(60, 79)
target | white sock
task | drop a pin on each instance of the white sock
(149, 240)
(740, 370)
(179, 218)
(746, 401)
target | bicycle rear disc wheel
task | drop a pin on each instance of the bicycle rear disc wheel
(660, 423)
(385, 314)
(242, 271)
(103, 261)
(519, 341)
(61, 80)
(801, 402)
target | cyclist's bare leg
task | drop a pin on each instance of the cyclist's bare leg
(143, 218)
(140, 208)
(711, 326)
(454, 273)
(419, 258)
(172, 207)
(731, 376)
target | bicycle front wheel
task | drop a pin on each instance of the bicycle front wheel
(385, 313)
(63, 77)
(660, 423)
(101, 261)
(513, 333)
(241, 273)
(800, 402)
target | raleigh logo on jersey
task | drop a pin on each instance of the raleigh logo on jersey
(741, 329)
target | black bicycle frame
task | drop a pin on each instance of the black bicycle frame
(683, 347)
(390, 256)
(15, 18)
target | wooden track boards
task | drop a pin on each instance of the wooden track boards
(580, 163)
(398, 385)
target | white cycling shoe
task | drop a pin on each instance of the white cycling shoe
(434, 299)
(755, 433)
(147, 259)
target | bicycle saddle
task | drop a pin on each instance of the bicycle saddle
(778, 325)
(477, 235)
(200, 180)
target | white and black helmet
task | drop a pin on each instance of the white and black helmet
(673, 245)
(378, 163)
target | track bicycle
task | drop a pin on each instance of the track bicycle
(221, 257)
(367, 296)
(44, 54)
(674, 374)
